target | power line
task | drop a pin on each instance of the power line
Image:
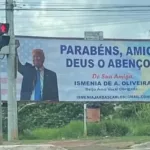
(81, 4)
(76, 10)
(101, 18)
(83, 25)
(111, 8)
(84, 15)
(84, 5)
(131, 13)
(76, 14)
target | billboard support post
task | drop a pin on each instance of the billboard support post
(85, 120)
(96, 36)
(12, 101)
(1, 114)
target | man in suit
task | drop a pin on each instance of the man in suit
(38, 83)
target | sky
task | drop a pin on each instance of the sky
(74, 24)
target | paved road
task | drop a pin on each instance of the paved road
(31, 147)
(76, 145)
(52, 147)
(145, 146)
(140, 149)
(107, 148)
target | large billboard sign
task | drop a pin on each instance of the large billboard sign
(80, 70)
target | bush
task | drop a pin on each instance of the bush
(109, 128)
(75, 130)
(48, 115)
(116, 127)
(72, 130)
(46, 134)
(27, 135)
(141, 130)
(96, 129)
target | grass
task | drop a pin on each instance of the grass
(72, 130)
(134, 139)
(105, 131)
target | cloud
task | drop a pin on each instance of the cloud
(48, 23)
(2, 13)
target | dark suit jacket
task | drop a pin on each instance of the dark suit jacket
(50, 87)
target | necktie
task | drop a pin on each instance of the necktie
(37, 95)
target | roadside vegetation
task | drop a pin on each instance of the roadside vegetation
(65, 121)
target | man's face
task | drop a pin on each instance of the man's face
(38, 60)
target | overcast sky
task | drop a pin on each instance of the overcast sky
(73, 24)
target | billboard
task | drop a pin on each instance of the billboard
(79, 70)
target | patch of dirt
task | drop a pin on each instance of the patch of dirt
(92, 145)
(83, 144)
(73, 143)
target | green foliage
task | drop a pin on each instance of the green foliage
(72, 130)
(54, 115)
(97, 129)
(107, 109)
(135, 111)
(143, 130)
(75, 130)
(4, 113)
(139, 128)
(108, 128)
(143, 114)
(116, 127)
(127, 110)
(61, 120)
(49, 115)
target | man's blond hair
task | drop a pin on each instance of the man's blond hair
(39, 52)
